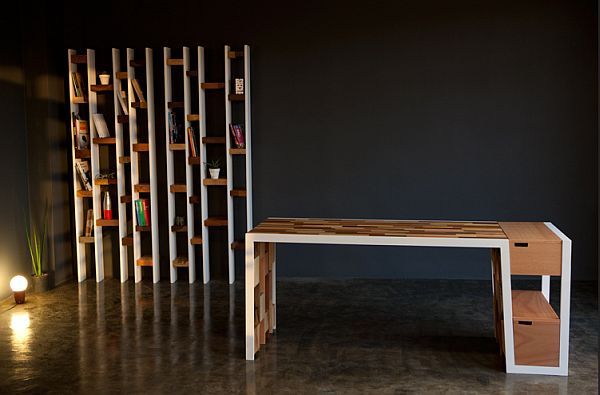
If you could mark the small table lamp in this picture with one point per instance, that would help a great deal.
(18, 284)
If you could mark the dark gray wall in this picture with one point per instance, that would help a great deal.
(430, 110)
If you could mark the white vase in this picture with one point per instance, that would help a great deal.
(214, 173)
(104, 79)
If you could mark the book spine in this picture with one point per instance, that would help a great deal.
(138, 212)
(191, 142)
(146, 208)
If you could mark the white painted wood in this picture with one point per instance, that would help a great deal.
(170, 167)
(95, 164)
(189, 169)
(250, 284)
(546, 287)
(122, 207)
(203, 189)
(133, 139)
(80, 214)
(509, 347)
(230, 215)
(152, 156)
(248, 127)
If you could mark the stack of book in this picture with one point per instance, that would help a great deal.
(192, 142)
(238, 135)
(142, 212)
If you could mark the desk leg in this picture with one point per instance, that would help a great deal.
(249, 279)
(509, 347)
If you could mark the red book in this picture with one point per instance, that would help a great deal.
(191, 142)
(146, 205)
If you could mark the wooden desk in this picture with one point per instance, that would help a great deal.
(531, 336)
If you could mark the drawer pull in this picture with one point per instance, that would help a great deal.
(521, 244)
(525, 322)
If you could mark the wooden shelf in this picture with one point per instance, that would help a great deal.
(215, 182)
(238, 245)
(80, 100)
(193, 117)
(125, 199)
(79, 59)
(137, 104)
(196, 240)
(144, 261)
(213, 140)
(212, 85)
(174, 104)
(179, 228)
(237, 151)
(143, 188)
(83, 154)
(121, 75)
(192, 73)
(178, 188)
(139, 228)
(215, 221)
(141, 147)
(107, 222)
(101, 88)
(194, 199)
(532, 306)
(104, 140)
(127, 240)
(177, 146)
(86, 239)
(235, 54)
(106, 181)
(88, 194)
(239, 192)
(194, 160)
(124, 159)
(180, 261)
(124, 119)
(233, 97)
(174, 62)
(137, 63)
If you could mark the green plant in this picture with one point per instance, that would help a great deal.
(213, 164)
(37, 243)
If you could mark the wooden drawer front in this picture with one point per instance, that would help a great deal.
(535, 258)
(537, 343)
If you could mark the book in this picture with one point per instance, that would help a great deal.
(89, 222)
(78, 88)
(138, 90)
(238, 135)
(82, 133)
(139, 212)
(146, 208)
(122, 100)
(192, 142)
(82, 169)
(101, 127)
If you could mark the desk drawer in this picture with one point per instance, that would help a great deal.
(535, 258)
(537, 343)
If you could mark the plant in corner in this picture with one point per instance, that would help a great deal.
(214, 167)
(36, 242)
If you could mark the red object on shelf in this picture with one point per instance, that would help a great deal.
(146, 205)
(107, 212)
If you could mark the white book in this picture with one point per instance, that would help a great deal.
(101, 127)
(122, 96)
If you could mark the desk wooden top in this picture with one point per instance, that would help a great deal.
(368, 227)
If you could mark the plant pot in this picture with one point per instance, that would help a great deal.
(40, 283)
(104, 79)
(214, 173)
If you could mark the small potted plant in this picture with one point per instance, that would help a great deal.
(214, 168)
(104, 78)
(36, 242)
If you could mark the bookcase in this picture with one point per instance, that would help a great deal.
(180, 142)
(143, 152)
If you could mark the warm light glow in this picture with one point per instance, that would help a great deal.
(18, 284)
(19, 321)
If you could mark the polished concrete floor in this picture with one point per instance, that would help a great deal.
(346, 336)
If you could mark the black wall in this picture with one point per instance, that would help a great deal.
(427, 110)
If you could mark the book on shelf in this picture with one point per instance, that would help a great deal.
(138, 90)
(175, 129)
(78, 89)
(192, 142)
(146, 209)
(122, 96)
(89, 222)
(142, 212)
(82, 133)
(82, 169)
(238, 135)
(101, 127)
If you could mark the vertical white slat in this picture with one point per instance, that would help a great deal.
(546, 287)
(248, 130)
(230, 217)
(189, 170)
(80, 214)
(170, 167)
(203, 189)
(95, 165)
(509, 347)
(122, 206)
(249, 289)
(135, 177)
(152, 156)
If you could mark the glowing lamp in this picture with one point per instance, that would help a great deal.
(18, 284)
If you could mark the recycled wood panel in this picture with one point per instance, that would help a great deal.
(104, 140)
(194, 199)
(121, 75)
(139, 104)
(532, 306)
(264, 308)
(537, 343)
(194, 160)
(179, 228)
(193, 117)
(234, 97)
(141, 188)
(174, 62)
(213, 140)
(86, 239)
(237, 151)
(125, 199)
(127, 241)
(79, 59)
(140, 228)
(83, 153)
(81, 193)
(175, 104)
(196, 240)
(192, 73)
(215, 181)
(178, 188)
(180, 261)
(124, 159)
(144, 261)
(357, 227)
(140, 147)
(101, 88)
(239, 192)
(123, 119)
(235, 54)
(212, 85)
(107, 222)
(215, 221)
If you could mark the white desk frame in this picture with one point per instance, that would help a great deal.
(502, 244)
